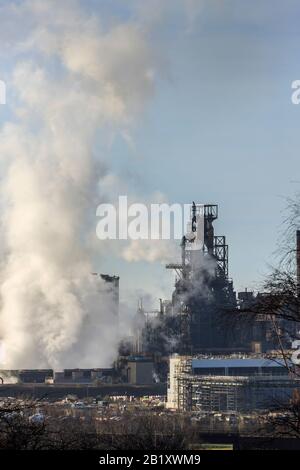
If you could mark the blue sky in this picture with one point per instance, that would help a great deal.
(220, 127)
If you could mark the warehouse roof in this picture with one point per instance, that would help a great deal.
(224, 363)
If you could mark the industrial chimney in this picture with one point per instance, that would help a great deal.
(298, 262)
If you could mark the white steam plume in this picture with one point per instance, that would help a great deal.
(71, 77)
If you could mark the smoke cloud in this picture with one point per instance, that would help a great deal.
(72, 79)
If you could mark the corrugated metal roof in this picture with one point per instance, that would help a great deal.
(222, 363)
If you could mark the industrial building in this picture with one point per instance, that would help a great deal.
(83, 376)
(200, 317)
(134, 370)
(228, 384)
(66, 376)
(202, 287)
(214, 365)
(26, 375)
(139, 371)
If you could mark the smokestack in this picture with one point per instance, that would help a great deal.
(183, 244)
(298, 262)
(161, 310)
